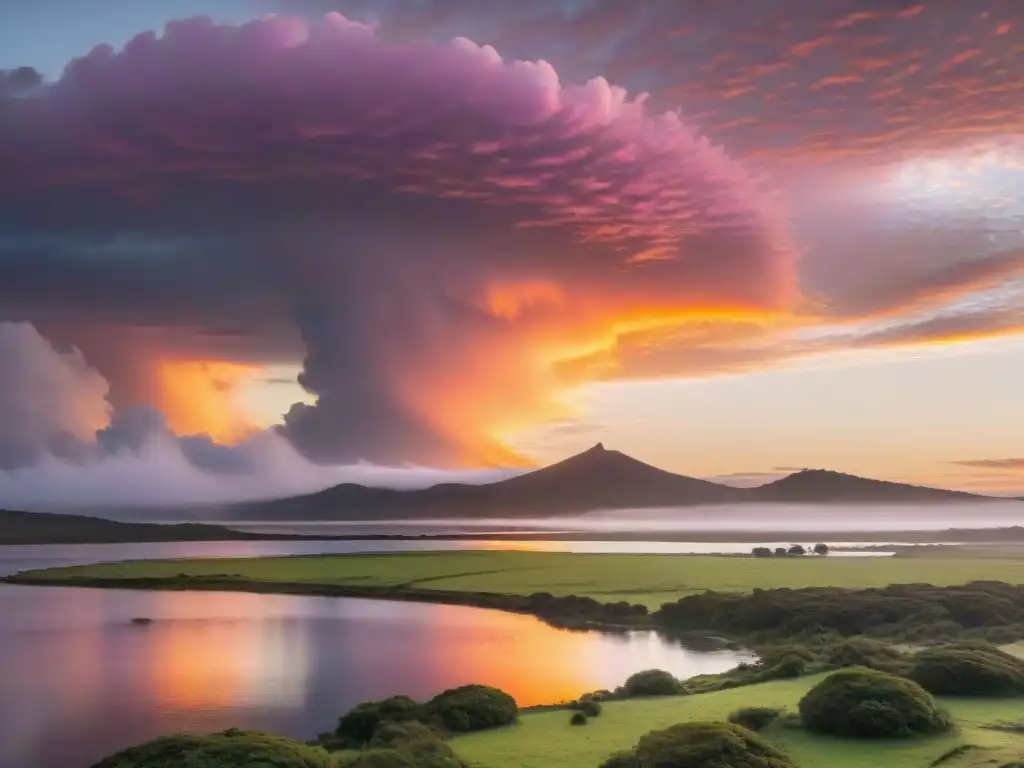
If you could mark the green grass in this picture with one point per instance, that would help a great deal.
(546, 740)
(648, 579)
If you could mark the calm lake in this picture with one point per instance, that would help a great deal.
(80, 681)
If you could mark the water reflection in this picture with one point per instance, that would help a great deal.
(79, 680)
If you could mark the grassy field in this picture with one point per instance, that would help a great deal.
(546, 740)
(648, 579)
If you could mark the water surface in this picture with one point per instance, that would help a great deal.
(80, 681)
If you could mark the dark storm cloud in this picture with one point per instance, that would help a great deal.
(18, 81)
(380, 198)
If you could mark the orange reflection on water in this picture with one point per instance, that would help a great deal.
(532, 661)
(222, 656)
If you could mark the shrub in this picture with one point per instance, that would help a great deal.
(652, 682)
(621, 760)
(902, 611)
(706, 744)
(796, 549)
(821, 548)
(588, 707)
(784, 668)
(967, 672)
(755, 718)
(578, 718)
(781, 551)
(381, 758)
(865, 703)
(779, 653)
(227, 749)
(473, 708)
(401, 734)
(419, 742)
(761, 552)
(865, 652)
(357, 726)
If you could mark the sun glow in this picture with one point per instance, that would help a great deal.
(198, 397)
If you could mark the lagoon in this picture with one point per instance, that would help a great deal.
(80, 680)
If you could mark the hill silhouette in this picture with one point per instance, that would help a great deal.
(45, 528)
(823, 486)
(596, 479)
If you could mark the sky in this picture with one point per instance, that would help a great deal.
(254, 247)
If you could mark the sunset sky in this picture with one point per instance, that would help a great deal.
(730, 239)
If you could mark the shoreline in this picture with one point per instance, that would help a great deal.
(871, 539)
(508, 603)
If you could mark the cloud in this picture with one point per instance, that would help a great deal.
(1010, 464)
(48, 398)
(18, 81)
(62, 445)
(692, 53)
(391, 203)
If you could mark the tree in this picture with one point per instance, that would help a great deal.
(781, 552)
(821, 548)
(796, 549)
(761, 552)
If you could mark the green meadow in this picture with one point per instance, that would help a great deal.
(648, 579)
(546, 740)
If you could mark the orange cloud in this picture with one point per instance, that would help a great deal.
(197, 397)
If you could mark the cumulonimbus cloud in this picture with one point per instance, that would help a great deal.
(63, 446)
(445, 228)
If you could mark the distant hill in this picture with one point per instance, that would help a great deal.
(595, 479)
(44, 528)
(822, 486)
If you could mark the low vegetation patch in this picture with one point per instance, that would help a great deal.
(473, 708)
(755, 718)
(357, 726)
(968, 671)
(652, 682)
(866, 703)
(904, 612)
(589, 707)
(400, 723)
(228, 749)
(702, 745)
(578, 718)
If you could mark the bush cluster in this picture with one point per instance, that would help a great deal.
(755, 718)
(865, 652)
(357, 726)
(905, 611)
(702, 745)
(473, 708)
(968, 671)
(405, 745)
(589, 707)
(227, 749)
(652, 682)
(575, 609)
(866, 703)
(457, 710)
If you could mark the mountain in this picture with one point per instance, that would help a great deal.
(822, 486)
(45, 528)
(595, 479)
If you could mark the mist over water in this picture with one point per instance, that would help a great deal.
(781, 518)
